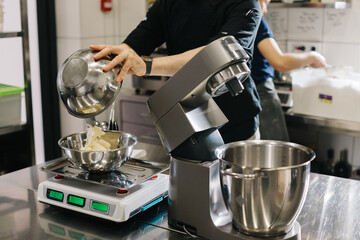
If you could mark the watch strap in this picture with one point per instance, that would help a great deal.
(148, 63)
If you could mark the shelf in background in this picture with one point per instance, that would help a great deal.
(11, 129)
(10, 34)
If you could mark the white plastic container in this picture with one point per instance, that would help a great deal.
(317, 94)
(10, 105)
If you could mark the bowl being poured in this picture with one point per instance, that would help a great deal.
(84, 88)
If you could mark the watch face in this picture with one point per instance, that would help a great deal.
(146, 58)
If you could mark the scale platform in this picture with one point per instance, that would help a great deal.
(116, 196)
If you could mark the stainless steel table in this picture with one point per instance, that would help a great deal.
(331, 211)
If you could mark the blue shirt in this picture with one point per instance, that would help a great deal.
(261, 68)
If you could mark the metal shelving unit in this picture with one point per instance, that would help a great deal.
(10, 34)
(27, 127)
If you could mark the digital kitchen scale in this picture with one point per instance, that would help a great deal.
(115, 196)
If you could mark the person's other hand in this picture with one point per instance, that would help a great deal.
(318, 60)
(130, 61)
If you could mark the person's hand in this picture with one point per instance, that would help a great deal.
(125, 56)
(318, 60)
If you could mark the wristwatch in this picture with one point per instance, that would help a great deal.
(148, 61)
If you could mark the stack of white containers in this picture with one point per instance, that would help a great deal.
(329, 94)
(1, 15)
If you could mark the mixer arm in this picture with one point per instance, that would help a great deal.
(183, 108)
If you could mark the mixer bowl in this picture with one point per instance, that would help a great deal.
(122, 145)
(84, 88)
(264, 184)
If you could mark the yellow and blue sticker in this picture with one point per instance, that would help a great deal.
(325, 98)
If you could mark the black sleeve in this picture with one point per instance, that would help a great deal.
(149, 34)
(242, 22)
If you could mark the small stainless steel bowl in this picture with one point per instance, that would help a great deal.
(83, 87)
(122, 145)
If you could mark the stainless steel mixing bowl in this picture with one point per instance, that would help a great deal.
(122, 145)
(264, 184)
(84, 88)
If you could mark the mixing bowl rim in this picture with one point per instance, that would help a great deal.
(272, 142)
(110, 150)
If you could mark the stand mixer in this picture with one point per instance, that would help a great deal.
(187, 120)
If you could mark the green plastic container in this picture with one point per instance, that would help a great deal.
(10, 105)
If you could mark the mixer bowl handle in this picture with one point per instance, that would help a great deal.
(243, 176)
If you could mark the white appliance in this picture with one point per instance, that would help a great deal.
(116, 196)
(103, 201)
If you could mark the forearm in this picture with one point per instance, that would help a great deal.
(133, 64)
(291, 61)
(283, 62)
(169, 65)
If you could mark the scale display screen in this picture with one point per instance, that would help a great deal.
(55, 195)
(75, 200)
(100, 206)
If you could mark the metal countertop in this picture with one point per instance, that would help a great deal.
(336, 126)
(331, 211)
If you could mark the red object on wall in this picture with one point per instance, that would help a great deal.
(106, 5)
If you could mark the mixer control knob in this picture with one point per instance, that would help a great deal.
(235, 87)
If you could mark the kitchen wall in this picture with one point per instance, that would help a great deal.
(80, 23)
(335, 34)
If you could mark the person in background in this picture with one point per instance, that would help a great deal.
(186, 27)
(267, 58)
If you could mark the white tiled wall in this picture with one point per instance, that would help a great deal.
(342, 54)
(305, 24)
(336, 30)
(342, 25)
(12, 70)
(277, 18)
(11, 16)
(131, 13)
(336, 35)
(80, 23)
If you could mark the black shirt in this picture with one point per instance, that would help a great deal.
(188, 24)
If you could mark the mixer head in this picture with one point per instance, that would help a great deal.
(183, 110)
